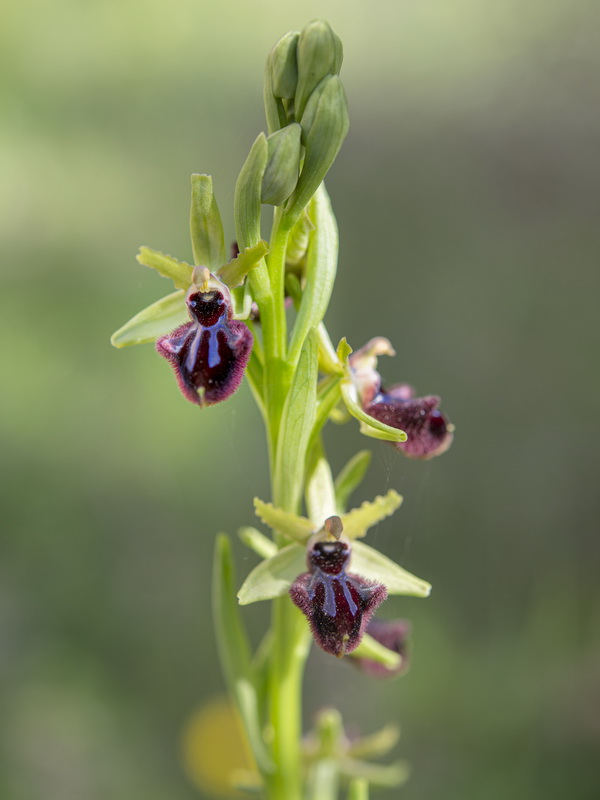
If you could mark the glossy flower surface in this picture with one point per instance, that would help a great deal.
(337, 604)
(209, 353)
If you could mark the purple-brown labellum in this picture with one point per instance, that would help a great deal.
(337, 605)
(208, 354)
(429, 433)
(394, 636)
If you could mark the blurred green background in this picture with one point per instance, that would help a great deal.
(467, 196)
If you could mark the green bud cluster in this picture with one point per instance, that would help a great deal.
(307, 114)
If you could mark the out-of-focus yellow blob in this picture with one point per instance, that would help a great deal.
(215, 752)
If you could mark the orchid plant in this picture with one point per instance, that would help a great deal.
(227, 319)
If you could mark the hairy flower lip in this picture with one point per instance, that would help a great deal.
(337, 604)
(209, 353)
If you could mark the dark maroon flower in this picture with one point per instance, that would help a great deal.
(429, 433)
(337, 605)
(394, 636)
(208, 354)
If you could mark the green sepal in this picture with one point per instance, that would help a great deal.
(167, 266)
(377, 744)
(373, 650)
(327, 133)
(371, 426)
(294, 527)
(206, 228)
(233, 273)
(257, 541)
(297, 421)
(284, 69)
(374, 566)
(283, 165)
(316, 56)
(319, 492)
(155, 320)
(350, 477)
(234, 650)
(358, 789)
(321, 266)
(246, 202)
(386, 776)
(359, 520)
(274, 576)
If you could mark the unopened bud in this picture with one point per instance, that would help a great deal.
(327, 124)
(284, 69)
(283, 165)
(317, 56)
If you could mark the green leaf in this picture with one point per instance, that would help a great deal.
(156, 320)
(235, 271)
(273, 577)
(208, 238)
(359, 520)
(370, 424)
(350, 477)
(374, 566)
(373, 650)
(257, 541)
(234, 650)
(321, 266)
(296, 528)
(297, 421)
(167, 266)
(358, 789)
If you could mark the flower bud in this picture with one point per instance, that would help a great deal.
(284, 69)
(324, 128)
(283, 165)
(317, 56)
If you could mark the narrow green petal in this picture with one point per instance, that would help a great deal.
(359, 520)
(374, 566)
(371, 424)
(156, 320)
(234, 272)
(296, 528)
(167, 266)
(234, 649)
(273, 577)
(350, 477)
